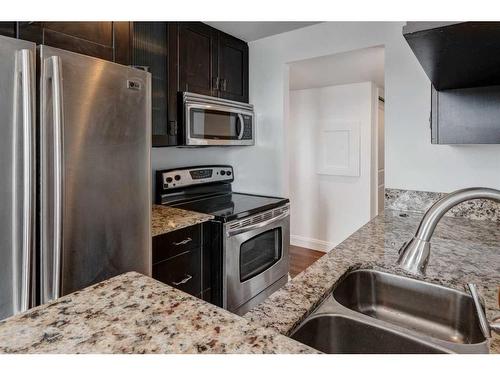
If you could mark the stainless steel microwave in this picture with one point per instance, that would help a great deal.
(209, 121)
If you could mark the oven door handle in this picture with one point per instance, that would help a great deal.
(234, 232)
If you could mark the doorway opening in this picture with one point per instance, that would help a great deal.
(335, 145)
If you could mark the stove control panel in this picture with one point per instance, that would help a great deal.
(185, 177)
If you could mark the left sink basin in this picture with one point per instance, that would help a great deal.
(336, 334)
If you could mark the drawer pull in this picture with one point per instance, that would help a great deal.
(183, 281)
(183, 242)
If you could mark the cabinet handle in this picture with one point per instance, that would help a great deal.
(172, 127)
(183, 281)
(224, 84)
(183, 242)
(216, 83)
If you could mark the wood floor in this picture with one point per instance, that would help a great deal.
(301, 258)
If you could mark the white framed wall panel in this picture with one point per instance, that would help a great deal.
(327, 208)
(338, 151)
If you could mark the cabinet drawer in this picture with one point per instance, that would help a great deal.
(174, 243)
(182, 272)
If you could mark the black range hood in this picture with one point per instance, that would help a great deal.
(462, 60)
(457, 54)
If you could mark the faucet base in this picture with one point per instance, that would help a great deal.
(414, 255)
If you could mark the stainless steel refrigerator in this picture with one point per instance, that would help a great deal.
(75, 182)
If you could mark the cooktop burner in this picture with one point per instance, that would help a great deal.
(232, 206)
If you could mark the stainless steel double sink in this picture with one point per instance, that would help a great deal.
(376, 312)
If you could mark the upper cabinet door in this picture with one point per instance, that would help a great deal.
(233, 68)
(150, 50)
(105, 40)
(88, 38)
(8, 29)
(197, 58)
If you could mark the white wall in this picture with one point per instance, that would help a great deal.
(326, 209)
(411, 161)
(361, 65)
(174, 157)
(256, 168)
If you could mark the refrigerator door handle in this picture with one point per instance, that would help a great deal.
(27, 105)
(52, 265)
(58, 139)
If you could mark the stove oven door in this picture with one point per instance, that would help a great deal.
(256, 255)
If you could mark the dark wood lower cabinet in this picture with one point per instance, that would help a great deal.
(212, 262)
(174, 243)
(185, 259)
(179, 261)
(182, 272)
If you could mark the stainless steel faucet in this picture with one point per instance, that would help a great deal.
(486, 327)
(414, 255)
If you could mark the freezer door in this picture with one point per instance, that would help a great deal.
(17, 188)
(95, 171)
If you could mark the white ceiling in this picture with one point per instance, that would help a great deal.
(343, 68)
(250, 31)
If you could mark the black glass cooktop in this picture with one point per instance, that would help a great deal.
(232, 206)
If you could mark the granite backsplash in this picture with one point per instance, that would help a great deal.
(420, 201)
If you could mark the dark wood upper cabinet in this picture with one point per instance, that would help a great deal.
(181, 56)
(93, 32)
(233, 68)
(122, 42)
(187, 56)
(206, 61)
(197, 46)
(210, 62)
(456, 55)
(8, 29)
(105, 40)
(150, 50)
(460, 60)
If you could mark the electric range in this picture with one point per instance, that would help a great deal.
(246, 244)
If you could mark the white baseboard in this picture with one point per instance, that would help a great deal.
(311, 243)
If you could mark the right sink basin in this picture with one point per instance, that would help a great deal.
(430, 309)
(371, 311)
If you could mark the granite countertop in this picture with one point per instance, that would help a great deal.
(463, 250)
(133, 313)
(166, 219)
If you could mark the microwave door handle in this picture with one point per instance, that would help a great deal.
(242, 126)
